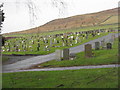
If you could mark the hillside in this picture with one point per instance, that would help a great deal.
(93, 19)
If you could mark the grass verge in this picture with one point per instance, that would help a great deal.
(100, 57)
(84, 78)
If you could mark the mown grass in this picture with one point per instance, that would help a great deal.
(84, 78)
(100, 57)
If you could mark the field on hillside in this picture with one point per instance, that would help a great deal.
(112, 19)
(106, 17)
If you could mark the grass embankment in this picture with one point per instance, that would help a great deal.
(85, 78)
(52, 49)
(100, 57)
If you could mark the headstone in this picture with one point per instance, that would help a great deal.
(66, 54)
(109, 46)
(88, 50)
(38, 48)
(86, 36)
(103, 45)
(97, 45)
(63, 44)
(58, 55)
(112, 38)
(50, 42)
(17, 48)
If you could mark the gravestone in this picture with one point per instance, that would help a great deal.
(112, 38)
(50, 42)
(17, 48)
(66, 54)
(109, 46)
(103, 45)
(88, 50)
(97, 45)
(63, 44)
(86, 36)
(58, 55)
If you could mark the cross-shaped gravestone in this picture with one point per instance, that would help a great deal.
(88, 50)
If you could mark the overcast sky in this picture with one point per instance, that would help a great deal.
(18, 17)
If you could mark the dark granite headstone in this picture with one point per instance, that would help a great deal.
(88, 50)
(97, 45)
(66, 54)
(109, 46)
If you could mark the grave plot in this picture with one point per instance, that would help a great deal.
(90, 56)
(36, 44)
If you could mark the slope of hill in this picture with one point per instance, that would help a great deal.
(92, 19)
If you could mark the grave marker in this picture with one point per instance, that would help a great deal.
(97, 45)
(66, 54)
(109, 46)
(58, 55)
(88, 50)
(103, 45)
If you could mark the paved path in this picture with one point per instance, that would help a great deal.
(67, 68)
(40, 59)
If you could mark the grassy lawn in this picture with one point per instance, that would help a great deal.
(52, 49)
(84, 78)
(100, 57)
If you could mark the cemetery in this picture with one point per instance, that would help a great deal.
(75, 52)
(102, 56)
(102, 53)
(40, 45)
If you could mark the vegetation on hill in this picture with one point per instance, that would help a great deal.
(79, 21)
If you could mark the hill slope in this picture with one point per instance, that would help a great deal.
(92, 19)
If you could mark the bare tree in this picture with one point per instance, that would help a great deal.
(2, 39)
